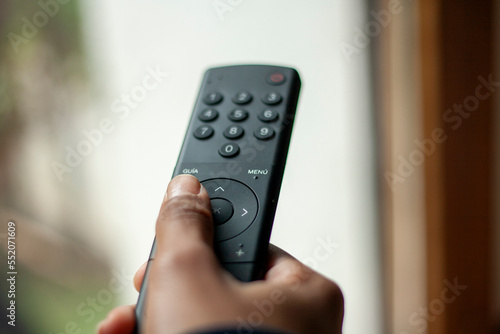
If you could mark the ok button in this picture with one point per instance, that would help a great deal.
(222, 210)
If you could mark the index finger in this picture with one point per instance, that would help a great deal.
(284, 268)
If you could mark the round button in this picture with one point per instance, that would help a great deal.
(242, 97)
(229, 150)
(242, 200)
(212, 98)
(204, 132)
(264, 133)
(238, 115)
(268, 115)
(208, 115)
(272, 98)
(276, 78)
(234, 132)
(222, 210)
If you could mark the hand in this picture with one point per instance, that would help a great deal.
(189, 291)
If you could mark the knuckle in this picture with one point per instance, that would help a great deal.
(297, 274)
(299, 271)
(329, 294)
(333, 292)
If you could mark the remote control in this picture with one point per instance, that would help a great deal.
(236, 145)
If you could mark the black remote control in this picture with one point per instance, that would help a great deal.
(236, 145)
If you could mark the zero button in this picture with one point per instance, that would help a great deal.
(229, 150)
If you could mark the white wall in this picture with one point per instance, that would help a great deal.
(328, 186)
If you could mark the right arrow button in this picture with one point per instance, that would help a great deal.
(244, 212)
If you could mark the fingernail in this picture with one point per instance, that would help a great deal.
(183, 185)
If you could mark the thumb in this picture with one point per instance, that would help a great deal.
(185, 216)
(184, 265)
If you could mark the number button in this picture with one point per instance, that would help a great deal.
(212, 98)
(229, 150)
(268, 115)
(208, 115)
(242, 97)
(264, 133)
(204, 132)
(272, 98)
(234, 132)
(238, 115)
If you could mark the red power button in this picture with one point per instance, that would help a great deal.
(276, 78)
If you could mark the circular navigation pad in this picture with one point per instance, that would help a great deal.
(241, 199)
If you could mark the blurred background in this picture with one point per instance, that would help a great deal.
(392, 174)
